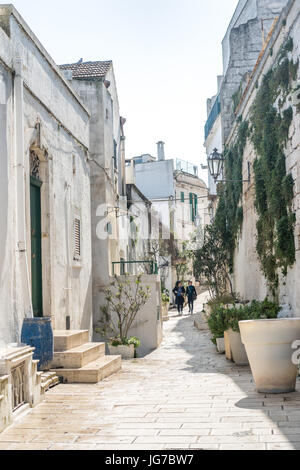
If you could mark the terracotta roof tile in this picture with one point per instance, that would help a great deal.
(88, 69)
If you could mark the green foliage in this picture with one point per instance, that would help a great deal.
(255, 311)
(211, 261)
(223, 318)
(124, 301)
(229, 215)
(274, 188)
(223, 299)
(165, 296)
(218, 322)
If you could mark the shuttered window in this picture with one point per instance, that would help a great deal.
(182, 197)
(77, 238)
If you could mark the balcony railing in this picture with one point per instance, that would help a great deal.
(142, 267)
(215, 111)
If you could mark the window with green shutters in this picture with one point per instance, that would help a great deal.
(193, 206)
(182, 197)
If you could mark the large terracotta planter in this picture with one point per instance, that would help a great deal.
(238, 351)
(269, 349)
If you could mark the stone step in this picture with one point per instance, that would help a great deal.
(78, 357)
(49, 380)
(93, 372)
(66, 340)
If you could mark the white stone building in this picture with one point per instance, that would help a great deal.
(45, 235)
(179, 202)
(95, 83)
(45, 209)
(250, 282)
(246, 34)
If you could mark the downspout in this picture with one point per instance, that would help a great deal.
(21, 188)
(68, 287)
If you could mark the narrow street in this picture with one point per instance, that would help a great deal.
(182, 396)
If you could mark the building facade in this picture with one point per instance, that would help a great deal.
(45, 250)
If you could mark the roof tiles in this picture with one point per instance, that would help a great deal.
(82, 70)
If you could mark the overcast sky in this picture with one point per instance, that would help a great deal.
(166, 53)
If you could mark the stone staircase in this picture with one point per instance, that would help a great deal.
(76, 360)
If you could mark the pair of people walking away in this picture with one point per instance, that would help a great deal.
(180, 294)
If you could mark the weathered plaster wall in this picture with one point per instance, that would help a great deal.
(8, 314)
(241, 48)
(106, 179)
(66, 189)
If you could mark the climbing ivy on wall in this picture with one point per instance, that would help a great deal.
(229, 215)
(268, 128)
(271, 117)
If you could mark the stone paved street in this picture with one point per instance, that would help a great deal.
(182, 396)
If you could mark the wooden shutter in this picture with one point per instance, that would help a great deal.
(192, 206)
(196, 206)
(77, 238)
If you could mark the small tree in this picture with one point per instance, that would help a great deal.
(124, 300)
(211, 261)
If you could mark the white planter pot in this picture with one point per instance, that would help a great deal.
(238, 351)
(165, 311)
(221, 345)
(269, 348)
(227, 346)
(127, 352)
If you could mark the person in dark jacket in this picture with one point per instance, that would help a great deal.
(192, 296)
(179, 293)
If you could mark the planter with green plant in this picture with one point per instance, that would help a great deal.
(124, 300)
(165, 298)
(224, 321)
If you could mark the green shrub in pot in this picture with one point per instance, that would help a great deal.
(223, 318)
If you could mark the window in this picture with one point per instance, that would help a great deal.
(193, 206)
(77, 239)
(182, 197)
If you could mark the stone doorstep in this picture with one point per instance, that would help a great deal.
(93, 372)
(78, 357)
(49, 380)
(66, 340)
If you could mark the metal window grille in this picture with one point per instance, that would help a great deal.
(77, 238)
(18, 386)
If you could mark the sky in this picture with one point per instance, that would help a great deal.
(166, 54)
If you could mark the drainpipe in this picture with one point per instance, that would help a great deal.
(21, 188)
(68, 287)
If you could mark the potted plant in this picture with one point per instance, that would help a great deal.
(124, 300)
(127, 348)
(217, 323)
(268, 343)
(253, 311)
(165, 297)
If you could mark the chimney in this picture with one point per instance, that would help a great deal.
(161, 151)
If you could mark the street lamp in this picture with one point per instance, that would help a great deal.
(216, 167)
(216, 164)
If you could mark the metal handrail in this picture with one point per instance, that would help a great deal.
(153, 265)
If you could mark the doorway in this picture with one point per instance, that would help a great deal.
(36, 246)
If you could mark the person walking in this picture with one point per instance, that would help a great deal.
(192, 296)
(179, 293)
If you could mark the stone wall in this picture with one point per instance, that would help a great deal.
(248, 279)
